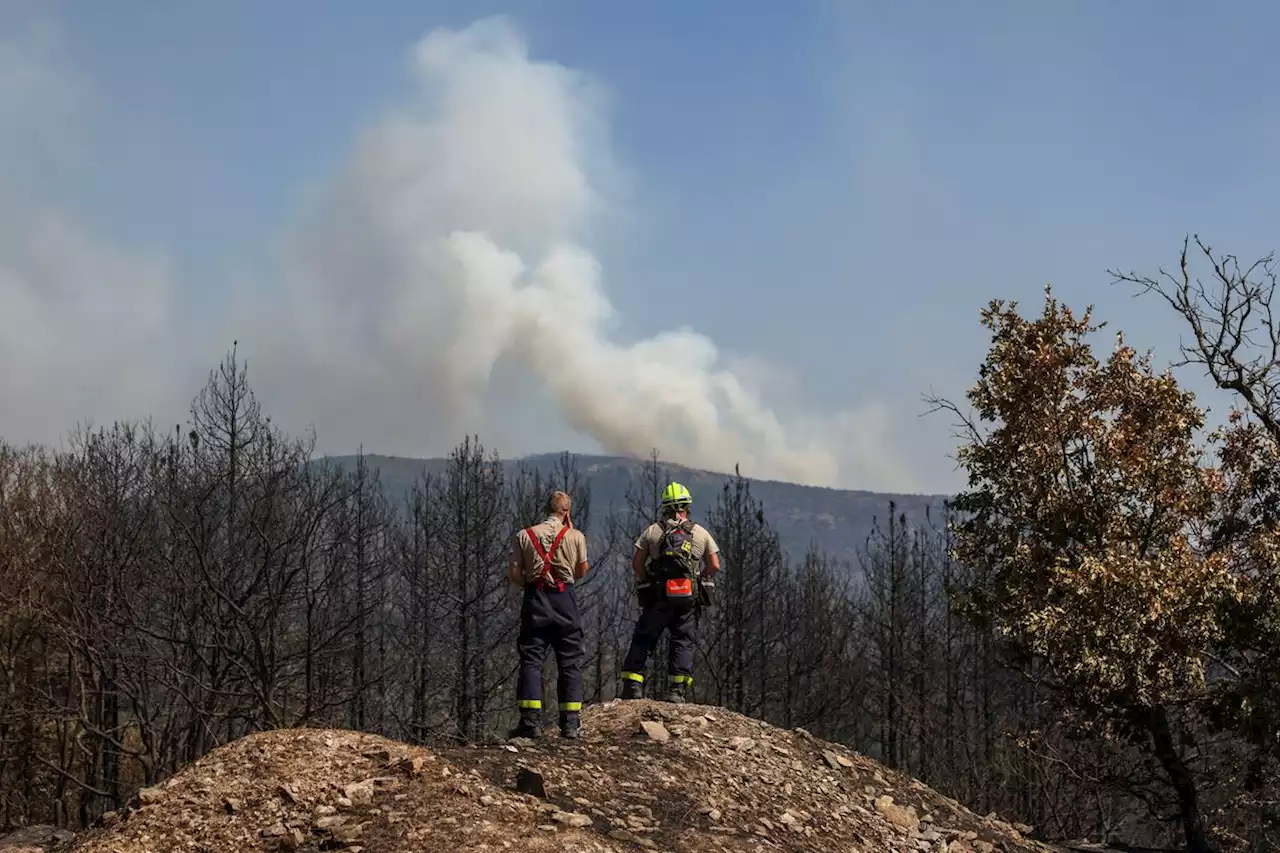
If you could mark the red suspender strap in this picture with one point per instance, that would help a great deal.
(545, 576)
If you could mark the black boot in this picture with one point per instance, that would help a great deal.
(529, 727)
(570, 726)
(675, 693)
(632, 690)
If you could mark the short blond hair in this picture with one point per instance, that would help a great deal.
(559, 502)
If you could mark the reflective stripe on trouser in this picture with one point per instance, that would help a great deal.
(549, 622)
(653, 620)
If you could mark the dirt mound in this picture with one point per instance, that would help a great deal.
(646, 776)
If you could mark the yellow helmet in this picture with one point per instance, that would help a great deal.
(676, 495)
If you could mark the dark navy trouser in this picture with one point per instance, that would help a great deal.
(549, 622)
(654, 619)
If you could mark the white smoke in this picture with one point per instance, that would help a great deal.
(441, 283)
(72, 352)
(455, 240)
(86, 326)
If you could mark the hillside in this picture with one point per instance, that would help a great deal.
(837, 520)
(647, 776)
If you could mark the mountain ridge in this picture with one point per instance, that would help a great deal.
(836, 521)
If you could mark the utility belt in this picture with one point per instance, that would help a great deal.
(687, 592)
(544, 585)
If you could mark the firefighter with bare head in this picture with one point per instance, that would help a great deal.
(547, 559)
(674, 562)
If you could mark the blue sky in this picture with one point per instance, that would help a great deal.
(833, 189)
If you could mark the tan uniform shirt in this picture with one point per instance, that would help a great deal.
(651, 538)
(571, 551)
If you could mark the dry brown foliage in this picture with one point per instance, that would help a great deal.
(1088, 516)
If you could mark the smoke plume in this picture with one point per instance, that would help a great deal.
(455, 243)
(443, 282)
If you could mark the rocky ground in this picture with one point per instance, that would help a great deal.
(646, 776)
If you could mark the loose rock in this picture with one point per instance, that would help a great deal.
(572, 819)
(531, 782)
(655, 730)
(894, 813)
(729, 784)
(150, 796)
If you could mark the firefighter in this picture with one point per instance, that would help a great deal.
(674, 563)
(546, 560)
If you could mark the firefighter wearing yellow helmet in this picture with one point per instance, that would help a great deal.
(674, 562)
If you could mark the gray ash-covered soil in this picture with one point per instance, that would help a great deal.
(646, 776)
